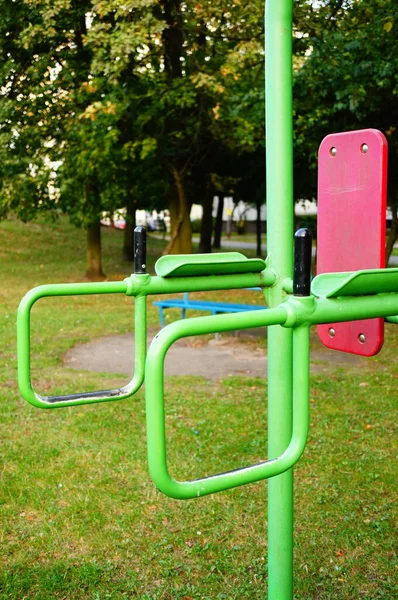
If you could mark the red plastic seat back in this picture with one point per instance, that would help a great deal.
(352, 186)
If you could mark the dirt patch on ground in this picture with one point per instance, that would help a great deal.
(210, 357)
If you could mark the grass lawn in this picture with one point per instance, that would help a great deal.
(80, 516)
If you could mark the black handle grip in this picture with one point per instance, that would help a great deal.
(302, 262)
(139, 250)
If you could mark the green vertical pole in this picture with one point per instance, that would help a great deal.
(279, 142)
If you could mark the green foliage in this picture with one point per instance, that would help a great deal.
(309, 222)
(195, 224)
(64, 134)
(95, 111)
(346, 78)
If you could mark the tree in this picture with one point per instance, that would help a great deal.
(347, 80)
(49, 139)
(197, 61)
(116, 103)
(67, 133)
(24, 172)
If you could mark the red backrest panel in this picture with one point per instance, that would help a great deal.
(352, 189)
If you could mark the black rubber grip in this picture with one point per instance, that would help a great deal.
(302, 262)
(139, 250)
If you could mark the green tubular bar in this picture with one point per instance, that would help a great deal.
(393, 319)
(354, 308)
(136, 285)
(23, 346)
(156, 434)
(279, 142)
(147, 285)
(311, 311)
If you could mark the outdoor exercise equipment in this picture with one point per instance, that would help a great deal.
(348, 293)
(175, 274)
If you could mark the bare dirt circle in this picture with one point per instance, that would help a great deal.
(209, 357)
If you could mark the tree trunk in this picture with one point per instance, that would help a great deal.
(206, 225)
(258, 227)
(393, 235)
(181, 231)
(128, 239)
(172, 38)
(218, 223)
(94, 264)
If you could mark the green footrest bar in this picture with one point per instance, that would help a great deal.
(188, 265)
(358, 283)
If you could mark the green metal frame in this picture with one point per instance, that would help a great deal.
(23, 345)
(139, 286)
(334, 298)
(279, 180)
(156, 434)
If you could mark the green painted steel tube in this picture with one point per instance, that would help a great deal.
(136, 285)
(145, 284)
(156, 433)
(23, 345)
(354, 308)
(311, 311)
(279, 134)
(279, 145)
(393, 319)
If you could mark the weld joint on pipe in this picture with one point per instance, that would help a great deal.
(269, 277)
(287, 285)
(135, 284)
(299, 311)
